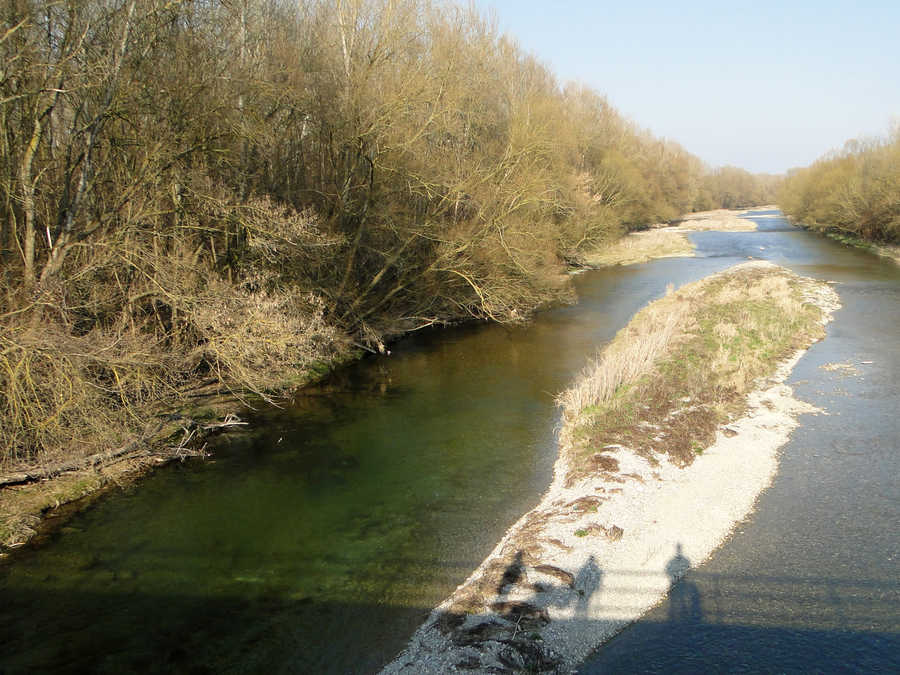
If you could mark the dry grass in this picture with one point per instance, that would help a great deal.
(640, 247)
(87, 365)
(684, 364)
(632, 354)
(63, 396)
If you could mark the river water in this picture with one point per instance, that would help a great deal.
(810, 582)
(320, 540)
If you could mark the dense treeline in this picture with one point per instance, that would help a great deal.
(238, 190)
(855, 191)
(729, 187)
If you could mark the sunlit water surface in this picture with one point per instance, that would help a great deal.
(321, 539)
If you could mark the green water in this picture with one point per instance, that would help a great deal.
(320, 540)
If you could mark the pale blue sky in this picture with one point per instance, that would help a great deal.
(763, 85)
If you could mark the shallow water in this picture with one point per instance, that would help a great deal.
(810, 582)
(319, 541)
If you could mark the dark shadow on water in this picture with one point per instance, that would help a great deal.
(711, 648)
(112, 633)
(754, 623)
(121, 630)
(829, 626)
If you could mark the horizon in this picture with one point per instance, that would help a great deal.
(766, 88)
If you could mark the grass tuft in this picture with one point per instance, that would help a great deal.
(684, 365)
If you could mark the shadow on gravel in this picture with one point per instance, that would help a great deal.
(708, 623)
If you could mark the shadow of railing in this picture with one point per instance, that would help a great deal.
(701, 622)
(712, 621)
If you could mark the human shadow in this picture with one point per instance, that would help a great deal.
(685, 605)
(575, 590)
(587, 582)
(512, 574)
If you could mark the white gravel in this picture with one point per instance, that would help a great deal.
(659, 508)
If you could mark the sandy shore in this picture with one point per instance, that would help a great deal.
(722, 220)
(593, 556)
(638, 247)
(667, 241)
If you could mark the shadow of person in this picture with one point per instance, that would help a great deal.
(512, 574)
(685, 604)
(587, 581)
(677, 566)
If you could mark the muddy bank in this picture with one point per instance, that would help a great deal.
(604, 546)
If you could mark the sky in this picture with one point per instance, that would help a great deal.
(765, 85)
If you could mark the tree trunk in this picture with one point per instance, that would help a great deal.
(26, 180)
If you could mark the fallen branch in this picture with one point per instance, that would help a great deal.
(231, 420)
(44, 473)
(107, 457)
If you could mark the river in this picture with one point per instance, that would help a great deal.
(810, 582)
(320, 540)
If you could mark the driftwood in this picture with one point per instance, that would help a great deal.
(101, 458)
(231, 420)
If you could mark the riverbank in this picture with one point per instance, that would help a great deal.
(100, 465)
(722, 220)
(667, 240)
(35, 497)
(604, 544)
(889, 251)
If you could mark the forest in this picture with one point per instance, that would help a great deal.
(854, 191)
(243, 192)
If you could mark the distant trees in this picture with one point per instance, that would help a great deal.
(855, 190)
(729, 187)
(236, 189)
